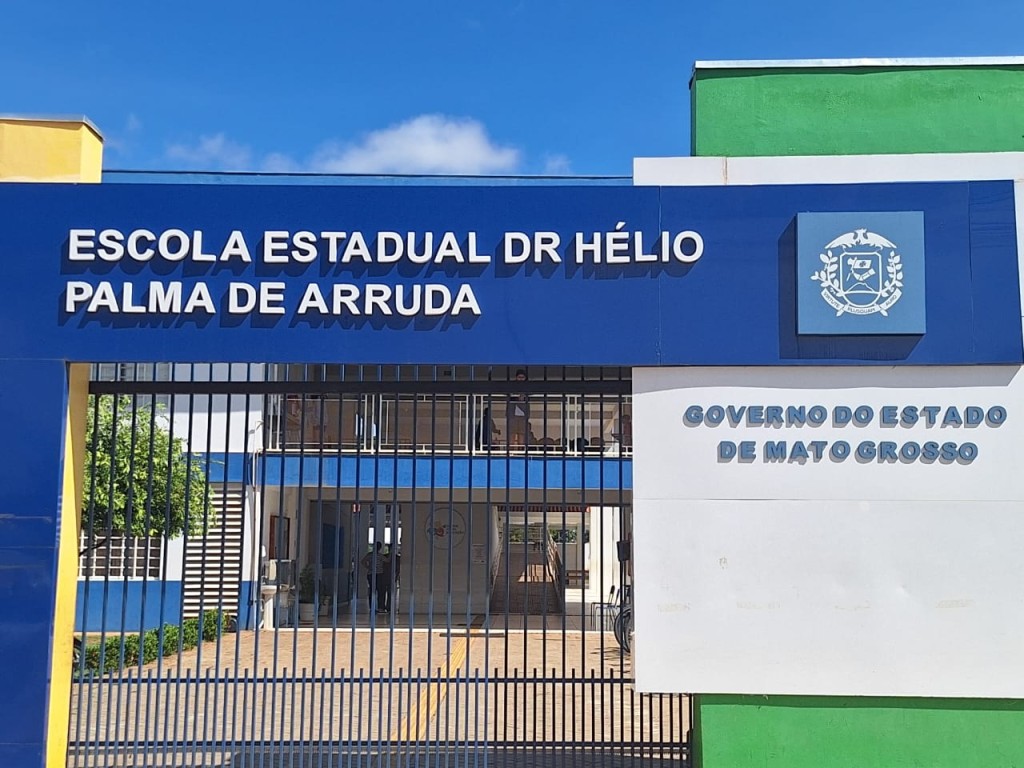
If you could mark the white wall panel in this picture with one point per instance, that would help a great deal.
(827, 578)
(1018, 204)
(676, 461)
(827, 169)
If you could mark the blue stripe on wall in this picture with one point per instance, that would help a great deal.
(226, 467)
(449, 472)
(129, 606)
(590, 473)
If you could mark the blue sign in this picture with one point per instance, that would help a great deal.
(861, 273)
(506, 275)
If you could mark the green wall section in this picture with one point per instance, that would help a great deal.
(851, 111)
(855, 111)
(814, 732)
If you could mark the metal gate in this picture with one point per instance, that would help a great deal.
(298, 565)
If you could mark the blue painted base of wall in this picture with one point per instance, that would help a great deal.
(134, 606)
(128, 606)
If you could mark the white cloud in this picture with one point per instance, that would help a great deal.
(212, 153)
(121, 143)
(556, 165)
(424, 144)
(278, 162)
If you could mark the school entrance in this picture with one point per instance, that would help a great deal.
(306, 565)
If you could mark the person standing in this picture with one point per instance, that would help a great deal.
(392, 569)
(518, 416)
(486, 430)
(374, 564)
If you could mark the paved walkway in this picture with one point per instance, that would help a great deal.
(412, 690)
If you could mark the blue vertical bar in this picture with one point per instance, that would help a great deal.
(33, 402)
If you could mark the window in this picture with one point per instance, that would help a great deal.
(279, 546)
(135, 372)
(120, 557)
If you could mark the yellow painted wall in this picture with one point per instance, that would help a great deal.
(61, 664)
(49, 150)
(59, 151)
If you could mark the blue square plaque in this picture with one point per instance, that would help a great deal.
(860, 273)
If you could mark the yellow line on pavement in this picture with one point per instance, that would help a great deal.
(415, 725)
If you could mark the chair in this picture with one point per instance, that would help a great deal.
(603, 614)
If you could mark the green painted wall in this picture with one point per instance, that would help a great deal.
(846, 111)
(850, 111)
(814, 732)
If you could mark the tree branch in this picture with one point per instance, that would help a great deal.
(96, 545)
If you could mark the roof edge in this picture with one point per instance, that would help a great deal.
(961, 61)
(55, 119)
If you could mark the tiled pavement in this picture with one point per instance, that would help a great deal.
(416, 695)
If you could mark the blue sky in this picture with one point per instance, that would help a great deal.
(544, 86)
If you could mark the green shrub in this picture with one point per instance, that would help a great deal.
(120, 651)
(216, 623)
(171, 635)
(107, 656)
(189, 634)
(111, 654)
(150, 646)
(91, 657)
(130, 650)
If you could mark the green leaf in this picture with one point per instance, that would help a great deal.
(140, 481)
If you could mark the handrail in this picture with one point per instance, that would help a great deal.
(558, 570)
(472, 424)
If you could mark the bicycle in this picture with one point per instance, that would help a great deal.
(623, 627)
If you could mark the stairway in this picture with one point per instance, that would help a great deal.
(525, 584)
(213, 564)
